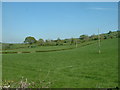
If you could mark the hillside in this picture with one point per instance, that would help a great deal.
(75, 68)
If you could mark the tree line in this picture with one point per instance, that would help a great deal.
(71, 41)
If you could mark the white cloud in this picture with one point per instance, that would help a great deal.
(99, 8)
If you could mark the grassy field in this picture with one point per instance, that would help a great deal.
(43, 48)
(76, 68)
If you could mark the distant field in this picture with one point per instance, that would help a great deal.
(40, 48)
(75, 68)
(43, 48)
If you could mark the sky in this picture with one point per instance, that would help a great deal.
(50, 20)
(60, 0)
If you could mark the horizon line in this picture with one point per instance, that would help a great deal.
(60, 38)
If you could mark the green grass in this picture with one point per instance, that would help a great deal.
(39, 48)
(76, 68)
(42, 48)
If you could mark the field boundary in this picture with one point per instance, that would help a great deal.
(37, 51)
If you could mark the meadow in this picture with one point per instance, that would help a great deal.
(81, 67)
(16, 47)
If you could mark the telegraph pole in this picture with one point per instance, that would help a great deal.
(76, 43)
(99, 51)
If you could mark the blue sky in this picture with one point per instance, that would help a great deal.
(50, 20)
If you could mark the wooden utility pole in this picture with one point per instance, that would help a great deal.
(76, 43)
(99, 51)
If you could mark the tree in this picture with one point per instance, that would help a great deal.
(30, 40)
(47, 42)
(41, 42)
(67, 41)
(58, 39)
(118, 34)
(59, 42)
(72, 41)
(94, 37)
(109, 32)
(84, 37)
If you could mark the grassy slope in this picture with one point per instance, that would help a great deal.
(80, 67)
(39, 48)
(44, 48)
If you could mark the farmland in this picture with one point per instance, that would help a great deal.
(79, 67)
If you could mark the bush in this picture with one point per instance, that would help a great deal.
(5, 46)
